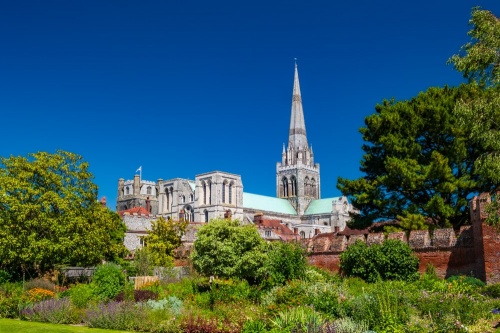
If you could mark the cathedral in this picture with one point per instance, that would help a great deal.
(298, 205)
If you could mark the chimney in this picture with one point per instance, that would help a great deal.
(148, 205)
(337, 229)
(257, 218)
(103, 201)
(317, 231)
(295, 231)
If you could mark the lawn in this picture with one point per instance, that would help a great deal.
(15, 325)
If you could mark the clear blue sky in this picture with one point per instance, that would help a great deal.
(187, 87)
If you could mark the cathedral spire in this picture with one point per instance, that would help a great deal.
(297, 135)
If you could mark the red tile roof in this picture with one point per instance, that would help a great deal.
(133, 210)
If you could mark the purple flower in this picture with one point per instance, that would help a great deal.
(495, 311)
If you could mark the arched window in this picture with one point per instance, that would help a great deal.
(307, 189)
(148, 190)
(183, 199)
(224, 184)
(189, 213)
(191, 198)
(314, 189)
(302, 234)
(127, 190)
(231, 193)
(209, 192)
(204, 186)
(293, 180)
(206, 215)
(285, 187)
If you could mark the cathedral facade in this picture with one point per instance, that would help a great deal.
(298, 204)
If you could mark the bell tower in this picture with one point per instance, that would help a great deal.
(297, 176)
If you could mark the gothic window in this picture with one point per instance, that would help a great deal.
(293, 181)
(285, 187)
(183, 199)
(209, 192)
(191, 198)
(230, 193)
(206, 215)
(171, 198)
(314, 190)
(268, 233)
(127, 190)
(224, 184)
(307, 190)
(189, 213)
(204, 193)
(148, 190)
(302, 234)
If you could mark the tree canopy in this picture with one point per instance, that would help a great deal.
(50, 215)
(163, 238)
(227, 249)
(417, 161)
(479, 61)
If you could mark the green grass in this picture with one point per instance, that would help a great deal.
(15, 325)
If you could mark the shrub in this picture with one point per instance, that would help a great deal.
(56, 311)
(328, 298)
(81, 294)
(393, 260)
(4, 276)
(290, 295)
(12, 299)
(492, 290)
(467, 280)
(285, 261)
(108, 281)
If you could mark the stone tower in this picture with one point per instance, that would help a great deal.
(297, 176)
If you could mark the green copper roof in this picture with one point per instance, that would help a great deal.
(321, 206)
(268, 204)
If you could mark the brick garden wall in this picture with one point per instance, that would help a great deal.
(473, 250)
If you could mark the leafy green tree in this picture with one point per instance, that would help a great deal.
(50, 215)
(479, 61)
(417, 161)
(393, 260)
(163, 238)
(285, 261)
(227, 249)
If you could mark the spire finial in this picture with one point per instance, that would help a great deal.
(295, 59)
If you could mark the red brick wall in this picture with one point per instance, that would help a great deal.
(491, 248)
